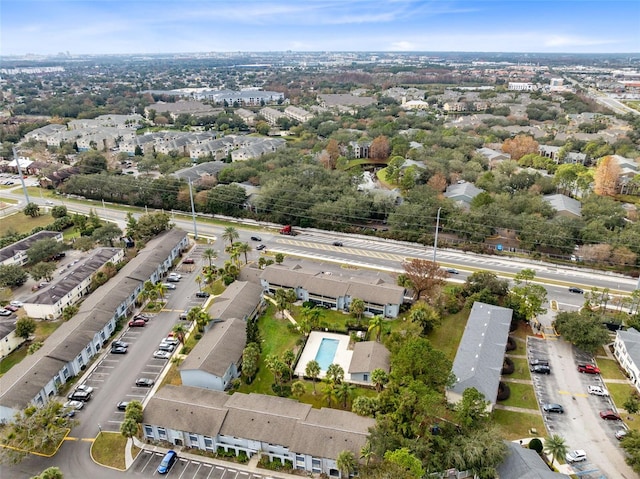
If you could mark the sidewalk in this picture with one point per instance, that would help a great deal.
(250, 467)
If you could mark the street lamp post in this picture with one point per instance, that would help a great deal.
(435, 239)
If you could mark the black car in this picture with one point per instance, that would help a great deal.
(122, 405)
(551, 407)
(337, 243)
(573, 289)
(256, 238)
(202, 294)
(541, 369)
(144, 382)
(79, 396)
(260, 247)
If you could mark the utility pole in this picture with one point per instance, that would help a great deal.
(435, 239)
(24, 187)
(193, 213)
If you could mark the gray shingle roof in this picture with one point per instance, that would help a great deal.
(219, 347)
(272, 419)
(480, 355)
(525, 463)
(562, 203)
(24, 244)
(239, 300)
(631, 340)
(369, 355)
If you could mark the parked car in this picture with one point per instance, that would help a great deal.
(172, 340)
(137, 323)
(79, 396)
(11, 308)
(144, 317)
(17, 304)
(118, 350)
(541, 369)
(621, 433)
(202, 294)
(175, 275)
(168, 286)
(588, 369)
(337, 243)
(166, 347)
(73, 404)
(85, 388)
(598, 391)
(161, 355)
(256, 238)
(610, 415)
(260, 247)
(122, 405)
(119, 344)
(168, 461)
(5, 312)
(145, 382)
(173, 279)
(540, 362)
(576, 456)
(189, 261)
(573, 289)
(184, 314)
(551, 407)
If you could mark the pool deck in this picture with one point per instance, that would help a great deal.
(342, 356)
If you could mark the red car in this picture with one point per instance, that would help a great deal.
(137, 323)
(588, 368)
(189, 261)
(610, 415)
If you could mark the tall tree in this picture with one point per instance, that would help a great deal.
(425, 315)
(210, 254)
(556, 446)
(25, 327)
(32, 209)
(379, 378)
(606, 177)
(346, 463)
(380, 148)
(230, 234)
(357, 307)
(244, 248)
(519, 146)
(312, 370)
(375, 326)
(50, 473)
(424, 275)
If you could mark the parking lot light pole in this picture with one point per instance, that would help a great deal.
(435, 239)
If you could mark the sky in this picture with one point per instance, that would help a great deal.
(182, 26)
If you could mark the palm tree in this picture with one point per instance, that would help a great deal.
(210, 254)
(379, 378)
(230, 234)
(161, 289)
(346, 462)
(555, 446)
(357, 307)
(335, 373)
(210, 275)
(243, 248)
(180, 331)
(199, 281)
(329, 392)
(375, 324)
(312, 370)
(288, 357)
(366, 453)
(298, 389)
(281, 299)
(344, 392)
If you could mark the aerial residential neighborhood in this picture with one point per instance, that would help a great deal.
(311, 242)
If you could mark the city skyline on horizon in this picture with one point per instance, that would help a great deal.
(173, 26)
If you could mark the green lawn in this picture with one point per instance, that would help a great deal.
(516, 425)
(108, 450)
(609, 369)
(12, 359)
(446, 337)
(277, 337)
(522, 395)
(521, 370)
(21, 223)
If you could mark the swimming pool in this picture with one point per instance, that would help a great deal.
(326, 352)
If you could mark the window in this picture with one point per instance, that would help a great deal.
(365, 377)
(65, 372)
(315, 465)
(162, 433)
(193, 439)
(208, 443)
(148, 431)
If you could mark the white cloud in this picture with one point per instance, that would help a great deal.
(573, 41)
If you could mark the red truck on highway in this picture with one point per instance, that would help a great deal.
(288, 230)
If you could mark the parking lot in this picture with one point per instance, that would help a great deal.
(146, 464)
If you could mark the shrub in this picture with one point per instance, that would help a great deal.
(511, 344)
(503, 392)
(507, 366)
(536, 445)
